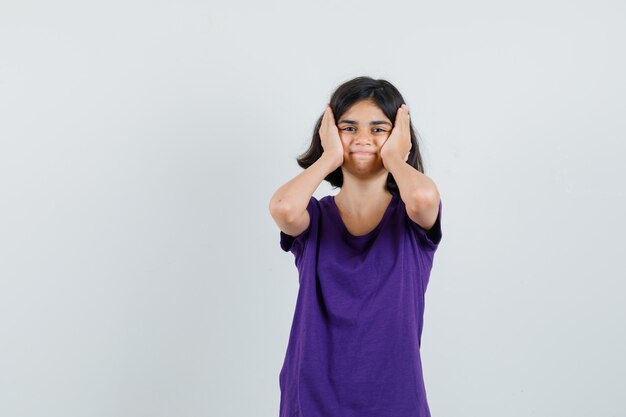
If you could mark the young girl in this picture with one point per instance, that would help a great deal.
(364, 259)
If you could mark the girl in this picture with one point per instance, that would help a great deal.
(364, 258)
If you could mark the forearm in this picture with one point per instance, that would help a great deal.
(292, 198)
(413, 185)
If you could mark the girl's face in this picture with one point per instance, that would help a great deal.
(363, 129)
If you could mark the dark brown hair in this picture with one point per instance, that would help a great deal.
(387, 97)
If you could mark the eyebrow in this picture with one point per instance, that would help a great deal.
(375, 122)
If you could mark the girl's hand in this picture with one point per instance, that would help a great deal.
(331, 141)
(398, 144)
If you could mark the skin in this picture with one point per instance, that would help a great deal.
(362, 199)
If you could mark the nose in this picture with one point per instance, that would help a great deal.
(363, 137)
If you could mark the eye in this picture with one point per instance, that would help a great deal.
(376, 129)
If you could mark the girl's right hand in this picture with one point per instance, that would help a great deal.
(329, 135)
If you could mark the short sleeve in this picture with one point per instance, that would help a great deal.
(432, 237)
(296, 244)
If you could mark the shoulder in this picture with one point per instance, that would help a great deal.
(425, 212)
(302, 228)
(424, 219)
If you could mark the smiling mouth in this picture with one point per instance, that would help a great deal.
(363, 153)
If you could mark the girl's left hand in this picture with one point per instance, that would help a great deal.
(398, 144)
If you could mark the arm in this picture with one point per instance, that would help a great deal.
(288, 204)
(419, 193)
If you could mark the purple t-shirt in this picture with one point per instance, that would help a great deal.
(354, 343)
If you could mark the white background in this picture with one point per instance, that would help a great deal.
(140, 143)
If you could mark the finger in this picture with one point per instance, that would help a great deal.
(408, 120)
(405, 117)
(330, 113)
(325, 122)
(399, 118)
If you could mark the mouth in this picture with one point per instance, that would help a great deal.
(362, 153)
